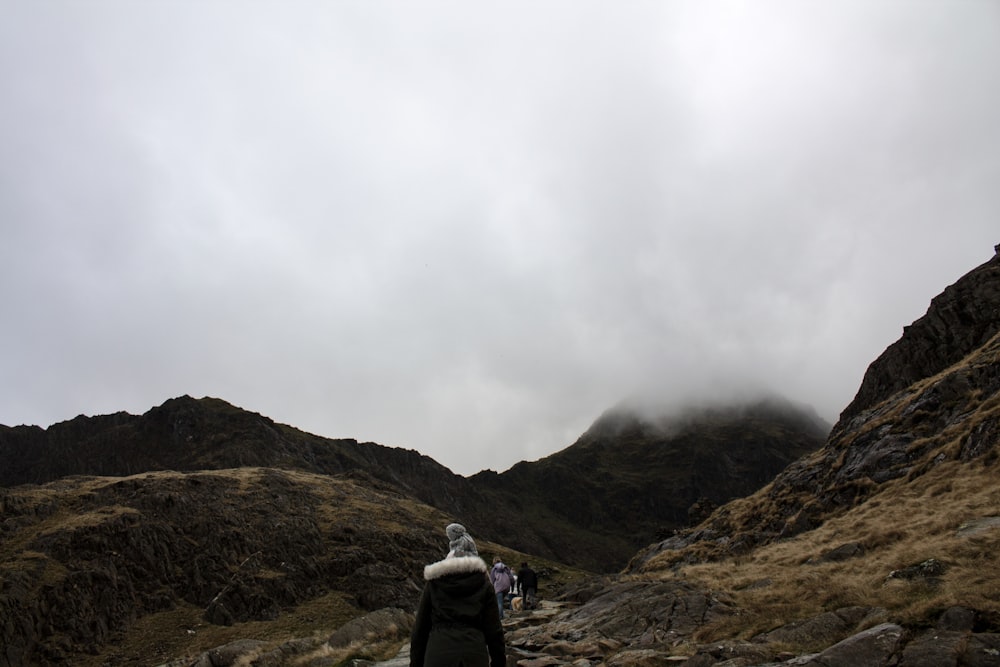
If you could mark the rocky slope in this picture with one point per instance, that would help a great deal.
(877, 549)
(84, 559)
(946, 412)
(136, 570)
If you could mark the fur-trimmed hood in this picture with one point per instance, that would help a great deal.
(456, 565)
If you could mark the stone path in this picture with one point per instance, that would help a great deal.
(402, 659)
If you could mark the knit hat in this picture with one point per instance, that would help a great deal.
(460, 542)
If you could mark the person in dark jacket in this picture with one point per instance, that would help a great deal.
(527, 585)
(457, 622)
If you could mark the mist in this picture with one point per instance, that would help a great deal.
(470, 231)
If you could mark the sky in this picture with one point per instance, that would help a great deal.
(469, 229)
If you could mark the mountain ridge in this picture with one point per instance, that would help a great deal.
(187, 434)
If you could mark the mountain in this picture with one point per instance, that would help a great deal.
(635, 474)
(632, 477)
(880, 547)
(196, 521)
(892, 434)
(877, 548)
(187, 434)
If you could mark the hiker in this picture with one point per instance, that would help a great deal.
(503, 581)
(457, 621)
(527, 585)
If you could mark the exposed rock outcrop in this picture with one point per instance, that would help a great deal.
(959, 320)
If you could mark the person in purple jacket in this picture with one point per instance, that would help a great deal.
(503, 580)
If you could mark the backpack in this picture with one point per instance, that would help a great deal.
(502, 579)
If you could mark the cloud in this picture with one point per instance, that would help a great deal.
(470, 232)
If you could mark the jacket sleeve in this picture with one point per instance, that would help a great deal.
(492, 629)
(421, 629)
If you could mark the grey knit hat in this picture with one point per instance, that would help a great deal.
(460, 542)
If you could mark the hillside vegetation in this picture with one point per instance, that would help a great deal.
(939, 505)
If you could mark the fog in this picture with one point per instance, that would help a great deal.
(469, 230)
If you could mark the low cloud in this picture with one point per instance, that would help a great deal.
(470, 233)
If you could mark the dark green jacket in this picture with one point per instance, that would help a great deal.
(458, 621)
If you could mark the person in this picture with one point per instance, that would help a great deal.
(457, 621)
(502, 579)
(527, 585)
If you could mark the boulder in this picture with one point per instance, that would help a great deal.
(821, 630)
(874, 647)
(381, 625)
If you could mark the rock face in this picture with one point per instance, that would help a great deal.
(960, 320)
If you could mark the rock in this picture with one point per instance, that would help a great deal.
(978, 526)
(959, 320)
(627, 616)
(821, 630)
(928, 570)
(544, 661)
(644, 658)
(871, 648)
(843, 552)
(933, 649)
(959, 619)
(381, 625)
(242, 650)
(732, 654)
(982, 650)
(645, 612)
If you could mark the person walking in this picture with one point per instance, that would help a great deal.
(502, 579)
(527, 585)
(457, 621)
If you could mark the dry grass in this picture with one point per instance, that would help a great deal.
(900, 523)
(907, 523)
(182, 631)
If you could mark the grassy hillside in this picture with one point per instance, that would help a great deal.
(904, 515)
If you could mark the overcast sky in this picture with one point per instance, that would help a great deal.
(468, 228)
